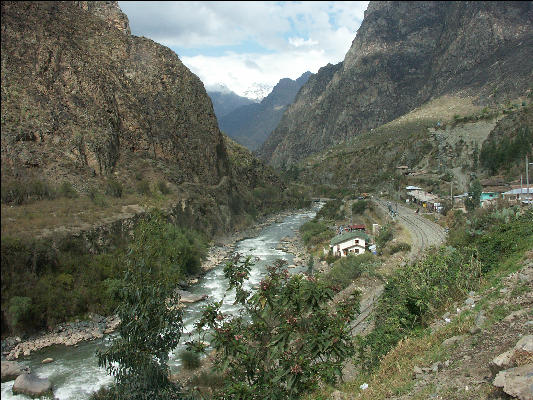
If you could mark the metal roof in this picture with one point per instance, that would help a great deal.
(413, 188)
(348, 236)
(519, 191)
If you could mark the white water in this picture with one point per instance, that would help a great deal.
(75, 373)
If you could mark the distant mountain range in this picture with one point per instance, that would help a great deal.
(250, 123)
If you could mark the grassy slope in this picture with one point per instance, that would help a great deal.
(500, 292)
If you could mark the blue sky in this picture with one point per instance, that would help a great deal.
(247, 45)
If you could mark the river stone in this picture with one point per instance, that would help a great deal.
(31, 385)
(187, 297)
(516, 382)
(12, 369)
(47, 360)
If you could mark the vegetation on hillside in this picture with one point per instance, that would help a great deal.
(286, 339)
(43, 285)
(416, 293)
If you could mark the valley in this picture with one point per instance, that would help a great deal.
(363, 231)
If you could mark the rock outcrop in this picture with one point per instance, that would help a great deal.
(405, 54)
(31, 385)
(11, 370)
(83, 97)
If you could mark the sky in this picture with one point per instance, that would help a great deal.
(247, 47)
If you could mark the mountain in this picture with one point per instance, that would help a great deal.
(86, 104)
(404, 55)
(251, 124)
(225, 101)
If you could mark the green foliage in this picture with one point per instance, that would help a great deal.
(359, 207)
(475, 190)
(346, 269)
(190, 360)
(414, 294)
(420, 290)
(143, 187)
(163, 188)
(285, 340)
(67, 190)
(113, 188)
(400, 247)
(19, 312)
(315, 232)
(151, 321)
(502, 154)
(384, 236)
(331, 211)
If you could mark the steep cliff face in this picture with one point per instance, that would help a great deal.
(82, 97)
(251, 124)
(404, 54)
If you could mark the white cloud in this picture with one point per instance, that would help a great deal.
(297, 36)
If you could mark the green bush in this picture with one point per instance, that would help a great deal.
(400, 247)
(315, 232)
(346, 269)
(20, 313)
(190, 360)
(67, 190)
(114, 188)
(163, 188)
(331, 211)
(384, 236)
(96, 197)
(359, 207)
(143, 187)
(289, 339)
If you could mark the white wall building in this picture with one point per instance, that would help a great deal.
(349, 243)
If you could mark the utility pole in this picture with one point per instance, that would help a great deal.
(451, 193)
(527, 180)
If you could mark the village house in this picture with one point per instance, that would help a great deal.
(348, 243)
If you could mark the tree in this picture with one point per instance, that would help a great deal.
(474, 192)
(151, 322)
(286, 339)
(359, 207)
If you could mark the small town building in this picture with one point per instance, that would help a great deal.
(349, 243)
(520, 194)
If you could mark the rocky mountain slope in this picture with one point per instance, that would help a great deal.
(404, 55)
(251, 124)
(85, 102)
(225, 101)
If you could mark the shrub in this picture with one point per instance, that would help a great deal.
(163, 188)
(400, 247)
(67, 190)
(20, 310)
(384, 236)
(190, 359)
(96, 197)
(331, 211)
(315, 232)
(114, 188)
(286, 341)
(359, 207)
(346, 269)
(143, 188)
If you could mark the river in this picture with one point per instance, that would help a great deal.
(75, 373)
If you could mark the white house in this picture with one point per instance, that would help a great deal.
(349, 242)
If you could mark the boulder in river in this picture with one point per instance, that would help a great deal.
(31, 385)
(12, 369)
(47, 360)
(187, 297)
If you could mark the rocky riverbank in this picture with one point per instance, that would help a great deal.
(72, 333)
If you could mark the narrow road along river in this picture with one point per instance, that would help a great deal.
(75, 373)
